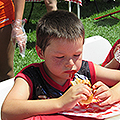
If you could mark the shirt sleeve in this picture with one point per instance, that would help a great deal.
(28, 80)
(92, 72)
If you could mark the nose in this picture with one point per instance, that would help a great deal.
(70, 63)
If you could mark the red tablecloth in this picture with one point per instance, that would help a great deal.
(59, 117)
(91, 111)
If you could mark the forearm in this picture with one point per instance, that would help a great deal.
(107, 76)
(113, 64)
(19, 8)
(20, 109)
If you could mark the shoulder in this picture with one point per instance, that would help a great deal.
(31, 66)
(30, 73)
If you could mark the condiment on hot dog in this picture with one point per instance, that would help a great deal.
(87, 82)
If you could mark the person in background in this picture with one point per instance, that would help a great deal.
(112, 60)
(50, 5)
(10, 29)
(44, 89)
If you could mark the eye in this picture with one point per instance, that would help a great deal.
(77, 55)
(60, 57)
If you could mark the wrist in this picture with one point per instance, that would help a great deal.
(17, 22)
(60, 104)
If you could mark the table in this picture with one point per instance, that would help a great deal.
(61, 117)
(110, 14)
(91, 111)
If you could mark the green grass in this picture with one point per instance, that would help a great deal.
(107, 27)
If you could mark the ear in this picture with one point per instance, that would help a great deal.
(39, 52)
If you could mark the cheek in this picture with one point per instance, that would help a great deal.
(54, 64)
(79, 62)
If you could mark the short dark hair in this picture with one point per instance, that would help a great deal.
(58, 24)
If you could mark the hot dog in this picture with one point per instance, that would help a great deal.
(87, 82)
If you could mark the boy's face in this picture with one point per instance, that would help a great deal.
(63, 58)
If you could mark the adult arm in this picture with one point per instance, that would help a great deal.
(113, 64)
(17, 31)
(19, 9)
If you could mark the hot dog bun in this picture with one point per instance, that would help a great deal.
(87, 82)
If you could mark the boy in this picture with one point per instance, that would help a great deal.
(44, 88)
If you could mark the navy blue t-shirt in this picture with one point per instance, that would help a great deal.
(41, 84)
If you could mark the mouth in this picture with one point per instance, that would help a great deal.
(71, 73)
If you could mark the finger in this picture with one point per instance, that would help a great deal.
(83, 97)
(24, 45)
(20, 47)
(100, 90)
(79, 89)
(97, 84)
(106, 102)
(104, 95)
(84, 89)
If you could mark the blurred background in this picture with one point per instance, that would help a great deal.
(107, 27)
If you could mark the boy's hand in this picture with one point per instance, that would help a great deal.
(74, 95)
(104, 93)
